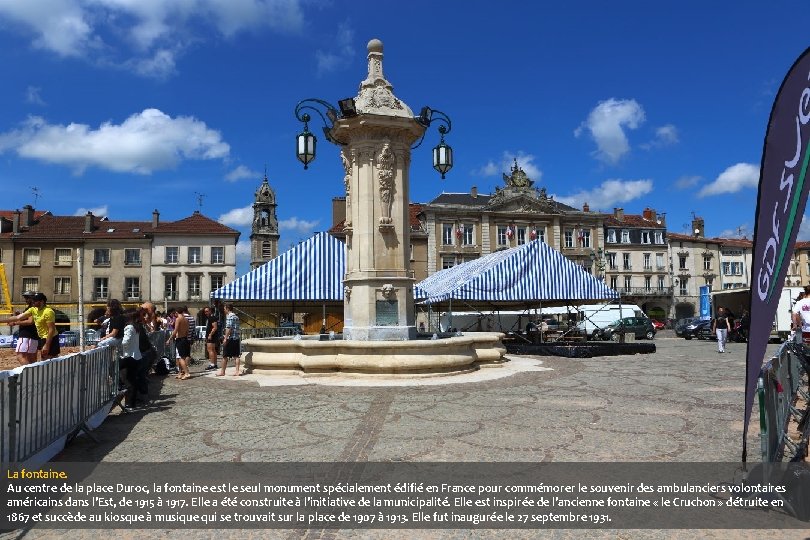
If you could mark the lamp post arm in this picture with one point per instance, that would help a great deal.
(309, 104)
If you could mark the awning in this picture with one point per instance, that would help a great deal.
(531, 273)
(310, 271)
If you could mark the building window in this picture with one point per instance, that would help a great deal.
(447, 234)
(611, 260)
(194, 255)
(611, 236)
(217, 281)
(647, 262)
(661, 283)
(540, 234)
(681, 262)
(132, 257)
(585, 238)
(521, 236)
(645, 237)
(502, 238)
(648, 283)
(707, 263)
(627, 281)
(682, 290)
(613, 282)
(101, 257)
(194, 286)
(469, 234)
(101, 288)
(625, 236)
(172, 255)
(448, 261)
(132, 288)
(63, 257)
(659, 261)
(737, 268)
(30, 284)
(170, 287)
(267, 250)
(410, 252)
(568, 238)
(626, 261)
(61, 285)
(217, 255)
(31, 257)
(659, 237)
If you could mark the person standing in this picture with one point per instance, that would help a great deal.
(721, 326)
(230, 340)
(131, 359)
(801, 314)
(211, 338)
(182, 344)
(27, 337)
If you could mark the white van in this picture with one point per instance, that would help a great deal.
(595, 317)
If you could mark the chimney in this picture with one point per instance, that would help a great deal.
(586, 208)
(88, 222)
(155, 218)
(697, 227)
(28, 215)
(15, 222)
(618, 213)
(338, 210)
(474, 192)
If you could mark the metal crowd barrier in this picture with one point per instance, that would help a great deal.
(44, 405)
(782, 380)
(48, 402)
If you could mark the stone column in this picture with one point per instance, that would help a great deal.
(376, 154)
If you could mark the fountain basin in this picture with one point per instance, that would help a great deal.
(311, 357)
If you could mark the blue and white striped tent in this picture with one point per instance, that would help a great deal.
(311, 271)
(531, 273)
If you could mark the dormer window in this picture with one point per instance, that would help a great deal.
(625, 236)
(611, 236)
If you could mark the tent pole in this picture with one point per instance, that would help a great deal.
(541, 320)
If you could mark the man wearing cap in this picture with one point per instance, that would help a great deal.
(27, 338)
(45, 321)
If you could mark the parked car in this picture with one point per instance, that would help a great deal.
(641, 327)
(657, 324)
(698, 328)
(682, 324)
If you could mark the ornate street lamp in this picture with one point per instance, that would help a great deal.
(305, 142)
(442, 152)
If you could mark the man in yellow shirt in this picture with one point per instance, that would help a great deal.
(45, 321)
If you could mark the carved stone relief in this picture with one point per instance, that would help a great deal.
(386, 161)
(347, 181)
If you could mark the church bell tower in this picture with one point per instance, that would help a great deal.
(264, 232)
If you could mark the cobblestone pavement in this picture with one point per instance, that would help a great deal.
(683, 403)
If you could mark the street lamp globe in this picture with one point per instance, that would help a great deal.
(442, 155)
(305, 144)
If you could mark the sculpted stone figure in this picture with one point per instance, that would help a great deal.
(385, 175)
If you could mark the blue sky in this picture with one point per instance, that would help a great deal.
(123, 106)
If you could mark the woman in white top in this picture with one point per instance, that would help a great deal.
(131, 357)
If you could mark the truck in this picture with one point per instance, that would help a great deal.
(737, 300)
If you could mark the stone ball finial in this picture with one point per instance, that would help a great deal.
(375, 46)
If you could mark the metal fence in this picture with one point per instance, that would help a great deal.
(782, 383)
(47, 403)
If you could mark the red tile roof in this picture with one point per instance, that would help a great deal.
(72, 228)
(632, 220)
(730, 242)
(9, 214)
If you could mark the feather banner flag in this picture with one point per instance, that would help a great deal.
(783, 187)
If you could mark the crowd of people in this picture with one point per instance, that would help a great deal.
(129, 330)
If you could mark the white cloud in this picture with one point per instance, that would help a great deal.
(145, 142)
(142, 32)
(804, 230)
(606, 124)
(607, 194)
(241, 172)
(33, 96)
(100, 211)
(243, 248)
(524, 161)
(298, 226)
(341, 55)
(238, 216)
(686, 182)
(732, 180)
(664, 136)
(742, 231)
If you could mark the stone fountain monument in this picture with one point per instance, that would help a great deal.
(379, 323)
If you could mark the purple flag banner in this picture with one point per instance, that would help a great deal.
(783, 187)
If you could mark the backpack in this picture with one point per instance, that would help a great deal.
(165, 366)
